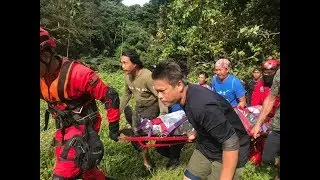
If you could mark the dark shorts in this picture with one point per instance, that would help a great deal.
(199, 167)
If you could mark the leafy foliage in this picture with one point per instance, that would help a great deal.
(205, 31)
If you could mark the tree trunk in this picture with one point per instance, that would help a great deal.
(68, 45)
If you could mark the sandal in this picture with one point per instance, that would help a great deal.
(150, 169)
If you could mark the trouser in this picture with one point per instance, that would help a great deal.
(92, 174)
(271, 147)
(68, 168)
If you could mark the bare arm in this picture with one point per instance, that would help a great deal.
(229, 157)
(229, 164)
(242, 102)
(266, 108)
(216, 124)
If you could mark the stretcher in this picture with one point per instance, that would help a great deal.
(152, 141)
(166, 130)
(249, 117)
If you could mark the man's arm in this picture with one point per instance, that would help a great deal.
(215, 123)
(125, 97)
(90, 83)
(240, 92)
(242, 102)
(229, 157)
(266, 108)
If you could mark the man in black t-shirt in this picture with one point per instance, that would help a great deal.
(222, 144)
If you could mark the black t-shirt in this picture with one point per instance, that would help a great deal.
(215, 121)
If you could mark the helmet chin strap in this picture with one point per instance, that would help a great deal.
(46, 64)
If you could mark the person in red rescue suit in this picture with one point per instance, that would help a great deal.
(259, 94)
(70, 89)
(262, 87)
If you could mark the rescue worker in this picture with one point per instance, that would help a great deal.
(260, 93)
(70, 89)
(262, 87)
(272, 146)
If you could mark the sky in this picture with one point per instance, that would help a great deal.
(132, 2)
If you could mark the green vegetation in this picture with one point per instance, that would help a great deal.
(195, 31)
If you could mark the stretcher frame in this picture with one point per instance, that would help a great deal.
(151, 141)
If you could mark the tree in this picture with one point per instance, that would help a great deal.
(205, 30)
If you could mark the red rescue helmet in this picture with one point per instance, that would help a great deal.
(46, 40)
(272, 64)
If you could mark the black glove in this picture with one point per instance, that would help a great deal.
(113, 130)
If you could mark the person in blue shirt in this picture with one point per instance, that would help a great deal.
(227, 85)
(174, 108)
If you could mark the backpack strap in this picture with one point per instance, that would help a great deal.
(71, 143)
(63, 80)
(46, 119)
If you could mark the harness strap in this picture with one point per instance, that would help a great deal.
(70, 143)
(86, 120)
(46, 120)
(63, 79)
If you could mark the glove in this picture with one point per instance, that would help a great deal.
(113, 130)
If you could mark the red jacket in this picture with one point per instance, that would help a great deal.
(79, 81)
(260, 93)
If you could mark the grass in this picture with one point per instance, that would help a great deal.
(120, 159)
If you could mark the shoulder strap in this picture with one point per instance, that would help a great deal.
(63, 79)
(46, 119)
